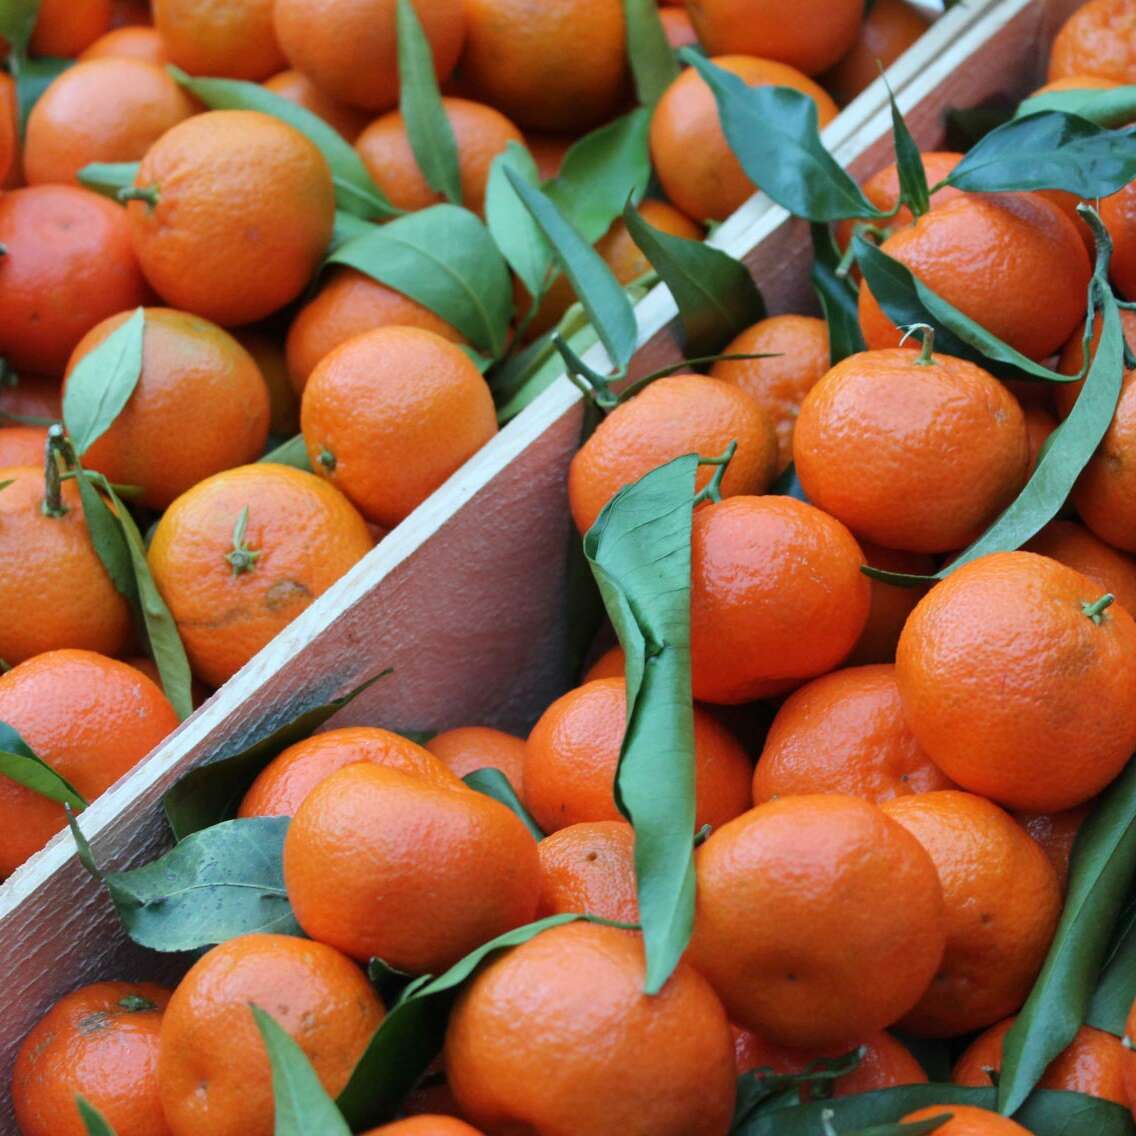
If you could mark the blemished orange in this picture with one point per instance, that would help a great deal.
(90, 718)
(349, 48)
(99, 1042)
(230, 599)
(22, 445)
(347, 304)
(677, 415)
(692, 158)
(1055, 834)
(297, 88)
(589, 868)
(888, 29)
(573, 752)
(1071, 544)
(468, 748)
(965, 1120)
(891, 603)
(818, 919)
(213, 1071)
(777, 597)
(611, 664)
(1012, 261)
(1064, 722)
(238, 215)
(130, 42)
(679, 27)
(1099, 39)
(68, 264)
(52, 576)
(797, 347)
(280, 788)
(65, 27)
(266, 347)
(480, 132)
(1118, 212)
(360, 877)
(844, 733)
(624, 1061)
(233, 38)
(1092, 1064)
(1002, 902)
(201, 406)
(390, 414)
(425, 1125)
(939, 448)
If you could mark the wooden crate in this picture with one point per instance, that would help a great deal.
(466, 599)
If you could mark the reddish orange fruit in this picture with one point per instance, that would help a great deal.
(469, 748)
(267, 351)
(679, 28)
(425, 1125)
(589, 868)
(967, 1121)
(234, 38)
(130, 42)
(1098, 39)
(9, 129)
(1070, 544)
(297, 88)
(891, 604)
(888, 29)
(22, 445)
(1056, 834)
(65, 27)
(1118, 213)
(611, 664)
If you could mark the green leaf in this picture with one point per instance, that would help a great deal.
(592, 280)
(355, 192)
(347, 227)
(1115, 106)
(444, 258)
(427, 127)
(302, 1105)
(913, 190)
(837, 295)
(1116, 990)
(94, 1121)
(17, 22)
(511, 224)
(715, 294)
(102, 382)
(108, 178)
(493, 783)
(211, 792)
(773, 132)
(20, 763)
(293, 452)
(107, 537)
(639, 550)
(653, 62)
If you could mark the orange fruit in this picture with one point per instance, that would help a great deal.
(233, 38)
(469, 748)
(1092, 1064)
(229, 601)
(128, 13)
(200, 407)
(589, 868)
(92, 719)
(1055, 834)
(65, 27)
(1040, 423)
(777, 597)
(939, 448)
(390, 414)
(548, 151)
(797, 347)
(30, 396)
(889, 28)
(242, 213)
(130, 42)
(819, 919)
(297, 88)
(349, 48)
(1077, 83)
(358, 877)
(665, 1065)
(967, 1121)
(68, 264)
(1098, 39)
(22, 445)
(9, 128)
(1118, 212)
(104, 110)
(267, 351)
(679, 28)
(573, 752)
(844, 733)
(1064, 722)
(677, 415)
(891, 604)
(692, 158)
(51, 574)
(1002, 902)
(213, 1070)
(1012, 261)
(1070, 544)
(425, 1125)
(611, 664)
(99, 1042)
(348, 304)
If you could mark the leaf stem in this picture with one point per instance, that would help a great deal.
(712, 491)
(1095, 610)
(593, 384)
(146, 193)
(927, 334)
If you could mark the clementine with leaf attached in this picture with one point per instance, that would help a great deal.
(469, 748)
(233, 38)
(297, 88)
(589, 868)
(891, 603)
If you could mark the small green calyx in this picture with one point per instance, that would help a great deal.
(147, 193)
(242, 559)
(927, 335)
(136, 1004)
(1095, 610)
(327, 460)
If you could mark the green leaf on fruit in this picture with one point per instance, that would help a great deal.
(493, 783)
(653, 62)
(20, 763)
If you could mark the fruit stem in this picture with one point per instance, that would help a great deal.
(863, 229)
(593, 384)
(712, 491)
(1096, 609)
(57, 451)
(147, 193)
(242, 558)
(136, 1004)
(327, 459)
(927, 333)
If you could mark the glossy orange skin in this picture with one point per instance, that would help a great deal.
(51, 574)
(9, 128)
(469, 748)
(573, 752)
(1002, 902)
(589, 868)
(968, 1121)
(798, 346)
(349, 48)
(213, 1071)
(297, 88)
(557, 1037)
(1056, 833)
(130, 42)
(280, 788)
(777, 597)
(692, 158)
(233, 38)
(611, 664)
(679, 27)
(887, 31)
(379, 863)
(891, 604)
(1068, 543)
(677, 415)
(307, 533)
(844, 733)
(818, 919)
(1012, 261)
(938, 449)
(69, 264)
(22, 445)
(1119, 215)
(201, 406)
(425, 1125)
(1093, 1064)
(1064, 722)
(92, 719)
(244, 215)
(100, 1042)
(1098, 39)
(390, 414)
(65, 27)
